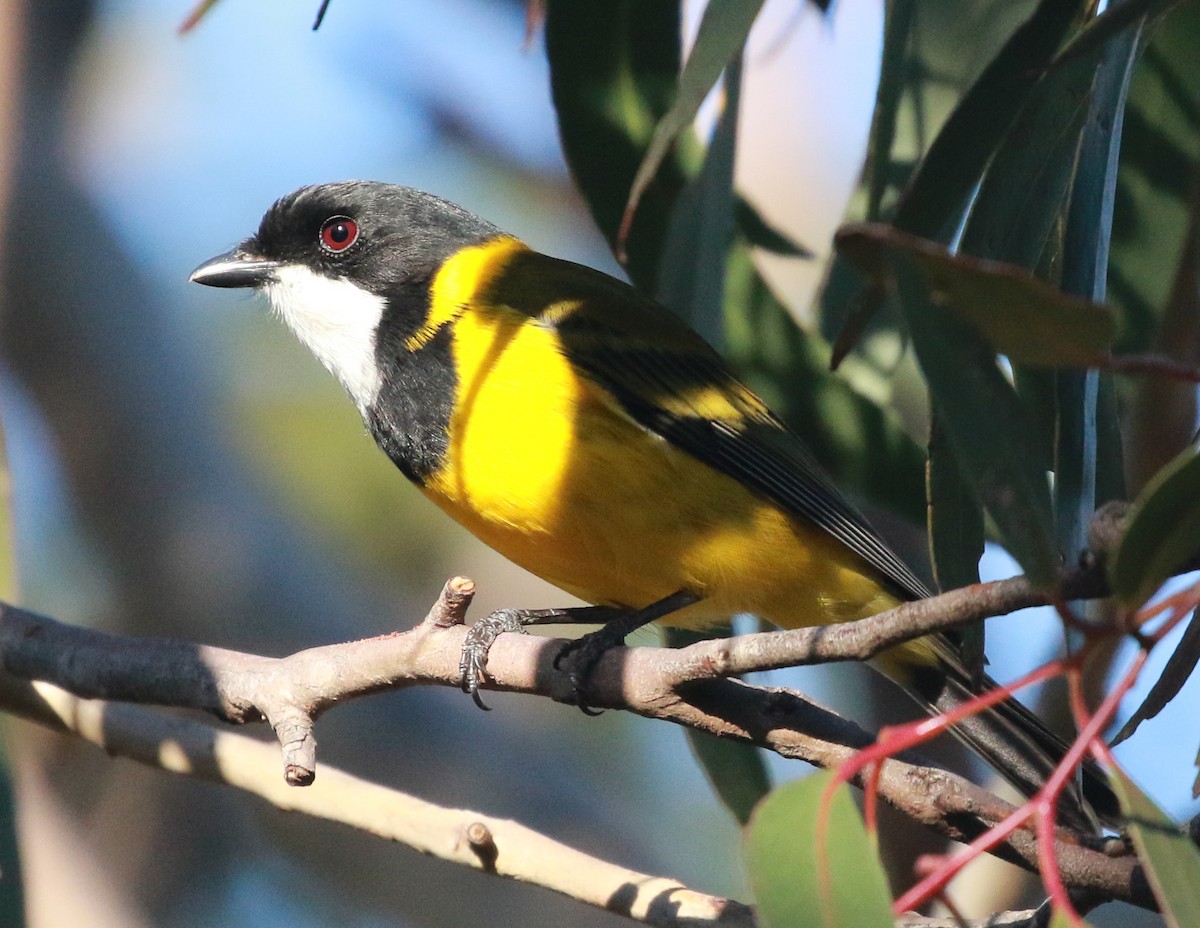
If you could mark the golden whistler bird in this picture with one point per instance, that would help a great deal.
(585, 432)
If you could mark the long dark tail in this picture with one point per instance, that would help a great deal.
(1022, 749)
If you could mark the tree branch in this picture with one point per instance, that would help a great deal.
(689, 687)
(497, 846)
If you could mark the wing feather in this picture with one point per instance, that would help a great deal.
(675, 384)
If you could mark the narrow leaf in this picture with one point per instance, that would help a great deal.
(722, 35)
(1023, 195)
(795, 882)
(1163, 534)
(956, 158)
(613, 74)
(956, 533)
(994, 450)
(1018, 315)
(1159, 167)
(1118, 18)
(899, 16)
(955, 516)
(945, 178)
(1171, 860)
(761, 234)
(692, 278)
(1161, 413)
(1086, 243)
(1179, 667)
(736, 771)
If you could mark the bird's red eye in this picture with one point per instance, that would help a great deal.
(338, 233)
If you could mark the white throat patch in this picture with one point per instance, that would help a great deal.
(337, 321)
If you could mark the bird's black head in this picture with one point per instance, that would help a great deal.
(377, 235)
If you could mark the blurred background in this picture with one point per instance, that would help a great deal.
(182, 467)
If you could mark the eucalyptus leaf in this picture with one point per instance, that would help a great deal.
(956, 159)
(614, 68)
(761, 234)
(736, 771)
(691, 279)
(1086, 243)
(798, 884)
(956, 534)
(722, 35)
(993, 450)
(1179, 667)
(899, 19)
(1026, 319)
(1170, 857)
(1163, 533)
(939, 189)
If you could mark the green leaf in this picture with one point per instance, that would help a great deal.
(613, 74)
(1155, 183)
(955, 516)
(1086, 242)
(722, 35)
(899, 17)
(945, 178)
(1178, 669)
(1112, 22)
(994, 448)
(956, 158)
(1170, 857)
(1163, 534)
(1110, 444)
(956, 534)
(761, 234)
(691, 280)
(1023, 195)
(1018, 315)
(799, 885)
(1155, 253)
(736, 771)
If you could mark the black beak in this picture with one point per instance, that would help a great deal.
(236, 268)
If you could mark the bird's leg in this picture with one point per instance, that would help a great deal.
(583, 653)
(616, 623)
(472, 665)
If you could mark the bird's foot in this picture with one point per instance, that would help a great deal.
(578, 658)
(472, 663)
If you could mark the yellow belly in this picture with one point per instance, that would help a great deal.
(545, 467)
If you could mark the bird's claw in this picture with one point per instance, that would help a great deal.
(472, 663)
